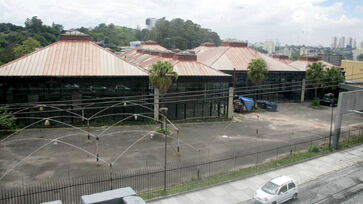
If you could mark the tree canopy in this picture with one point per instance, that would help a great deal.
(180, 34)
(12, 36)
(29, 45)
(316, 75)
(256, 70)
(334, 76)
(173, 34)
(360, 57)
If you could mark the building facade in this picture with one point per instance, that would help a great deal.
(192, 76)
(353, 70)
(233, 58)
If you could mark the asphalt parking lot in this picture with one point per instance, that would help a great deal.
(133, 147)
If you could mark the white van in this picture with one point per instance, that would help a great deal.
(277, 190)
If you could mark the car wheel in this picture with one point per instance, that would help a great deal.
(294, 197)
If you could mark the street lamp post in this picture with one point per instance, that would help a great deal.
(165, 139)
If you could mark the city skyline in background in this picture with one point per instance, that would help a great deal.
(308, 22)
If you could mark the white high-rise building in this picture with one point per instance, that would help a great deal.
(354, 44)
(150, 23)
(303, 51)
(334, 42)
(269, 46)
(341, 43)
(350, 42)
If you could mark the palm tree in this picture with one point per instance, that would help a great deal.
(256, 70)
(316, 74)
(161, 76)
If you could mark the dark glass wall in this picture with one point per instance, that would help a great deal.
(277, 86)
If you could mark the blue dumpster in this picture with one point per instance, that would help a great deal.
(271, 106)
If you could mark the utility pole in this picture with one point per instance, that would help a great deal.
(166, 140)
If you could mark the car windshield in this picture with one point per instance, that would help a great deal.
(270, 188)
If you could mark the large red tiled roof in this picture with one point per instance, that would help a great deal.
(146, 55)
(71, 58)
(302, 65)
(229, 57)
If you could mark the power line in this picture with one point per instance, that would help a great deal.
(149, 97)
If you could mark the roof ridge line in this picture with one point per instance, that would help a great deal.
(26, 55)
(220, 56)
(119, 57)
(213, 68)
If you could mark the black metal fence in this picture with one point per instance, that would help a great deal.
(180, 176)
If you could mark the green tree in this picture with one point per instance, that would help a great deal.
(316, 75)
(360, 57)
(334, 76)
(256, 70)
(29, 45)
(7, 119)
(162, 75)
(295, 56)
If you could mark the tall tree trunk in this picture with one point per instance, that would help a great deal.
(316, 92)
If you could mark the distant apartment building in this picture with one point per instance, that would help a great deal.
(354, 44)
(303, 51)
(150, 23)
(333, 59)
(334, 43)
(341, 43)
(285, 52)
(360, 45)
(269, 46)
(349, 42)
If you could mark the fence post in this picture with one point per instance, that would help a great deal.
(256, 162)
(234, 154)
(303, 91)
(230, 103)
(277, 155)
(311, 145)
(111, 187)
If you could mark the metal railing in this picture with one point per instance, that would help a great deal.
(181, 175)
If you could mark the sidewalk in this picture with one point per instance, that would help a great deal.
(243, 190)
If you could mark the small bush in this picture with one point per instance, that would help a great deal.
(161, 131)
(315, 102)
(314, 148)
(7, 119)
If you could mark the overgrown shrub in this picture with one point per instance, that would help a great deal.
(314, 148)
(315, 102)
(161, 131)
(7, 119)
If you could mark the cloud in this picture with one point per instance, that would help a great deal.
(295, 22)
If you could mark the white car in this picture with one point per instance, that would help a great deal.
(277, 190)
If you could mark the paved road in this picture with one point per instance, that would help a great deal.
(343, 186)
(304, 174)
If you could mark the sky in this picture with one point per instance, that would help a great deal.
(298, 22)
